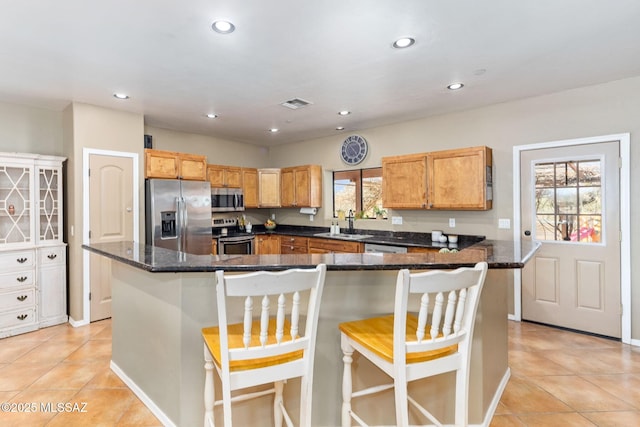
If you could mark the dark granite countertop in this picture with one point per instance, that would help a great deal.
(395, 238)
(499, 254)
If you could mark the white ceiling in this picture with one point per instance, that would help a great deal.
(334, 53)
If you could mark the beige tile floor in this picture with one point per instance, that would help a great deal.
(558, 378)
(63, 364)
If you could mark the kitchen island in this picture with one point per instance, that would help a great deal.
(162, 299)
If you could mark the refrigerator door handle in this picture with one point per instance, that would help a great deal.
(185, 219)
(180, 222)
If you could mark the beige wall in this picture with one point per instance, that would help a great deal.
(30, 130)
(218, 151)
(87, 126)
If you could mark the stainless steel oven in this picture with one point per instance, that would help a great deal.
(231, 241)
(241, 244)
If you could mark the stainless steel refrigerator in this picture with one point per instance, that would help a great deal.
(178, 215)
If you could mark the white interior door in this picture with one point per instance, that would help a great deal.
(570, 199)
(111, 216)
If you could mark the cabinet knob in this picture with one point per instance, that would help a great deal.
(21, 279)
(52, 256)
(21, 260)
(21, 298)
(21, 317)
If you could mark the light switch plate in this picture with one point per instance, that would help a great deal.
(396, 220)
(452, 222)
(504, 223)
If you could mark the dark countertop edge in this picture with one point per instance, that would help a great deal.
(209, 263)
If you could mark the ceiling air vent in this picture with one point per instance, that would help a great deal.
(295, 103)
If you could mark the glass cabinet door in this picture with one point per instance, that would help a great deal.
(15, 205)
(49, 215)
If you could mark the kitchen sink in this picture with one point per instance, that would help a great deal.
(344, 236)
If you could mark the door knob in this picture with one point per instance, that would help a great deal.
(129, 209)
(527, 233)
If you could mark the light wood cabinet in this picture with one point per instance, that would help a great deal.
(301, 186)
(214, 246)
(460, 179)
(269, 188)
(267, 244)
(325, 246)
(224, 176)
(250, 187)
(294, 244)
(404, 182)
(174, 165)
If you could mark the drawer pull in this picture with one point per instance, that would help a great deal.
(21, 279)
(21, 317)
(21, 297)
(22, 260)
(52, 256)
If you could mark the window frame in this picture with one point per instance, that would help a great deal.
(357, 175)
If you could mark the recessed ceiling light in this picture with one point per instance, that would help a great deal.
(274, 130)
(455, 86)
(121, 95)
(403, 42)
(223, 27)
(344, 112)
(340, 128)
(212, 116)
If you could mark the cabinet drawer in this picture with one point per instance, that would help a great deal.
(18, 318)
(331, 245)
(17, 299)
(50, 256)
(15, 259)
(289, 249)
(19, 278)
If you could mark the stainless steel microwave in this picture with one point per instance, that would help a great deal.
(227, 200)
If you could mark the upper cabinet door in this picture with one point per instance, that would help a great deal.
(301, 186)
(460, 179)
(269, 188)
(160, 164)
(224, 176)
(250, 187)
(173, 165)
(49, 193)
(16, 203)
(192, 167)
(404, 182)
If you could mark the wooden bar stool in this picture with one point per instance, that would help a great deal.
(409, 346)
(267, 348)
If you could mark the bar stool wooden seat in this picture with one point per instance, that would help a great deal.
(408, 346)
(275, 345)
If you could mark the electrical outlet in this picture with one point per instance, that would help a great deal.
(273, 216)
(311, 218)
(504, 223)
(396, 220)
(452, 222)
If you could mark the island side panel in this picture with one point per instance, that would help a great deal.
(157, 319)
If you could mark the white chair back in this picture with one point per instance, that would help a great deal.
(447, 309)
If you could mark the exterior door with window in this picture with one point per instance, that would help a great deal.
(570, 203)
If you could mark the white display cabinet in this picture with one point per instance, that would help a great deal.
(33, 288)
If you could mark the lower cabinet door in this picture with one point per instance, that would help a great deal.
(52, 286)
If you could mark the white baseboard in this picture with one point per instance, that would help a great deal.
(142, 396)
(496, 398)
(77, 323)
(635, 343)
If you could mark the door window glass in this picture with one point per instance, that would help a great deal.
(568, 201)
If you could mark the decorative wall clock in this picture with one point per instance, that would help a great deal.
(354, 150)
